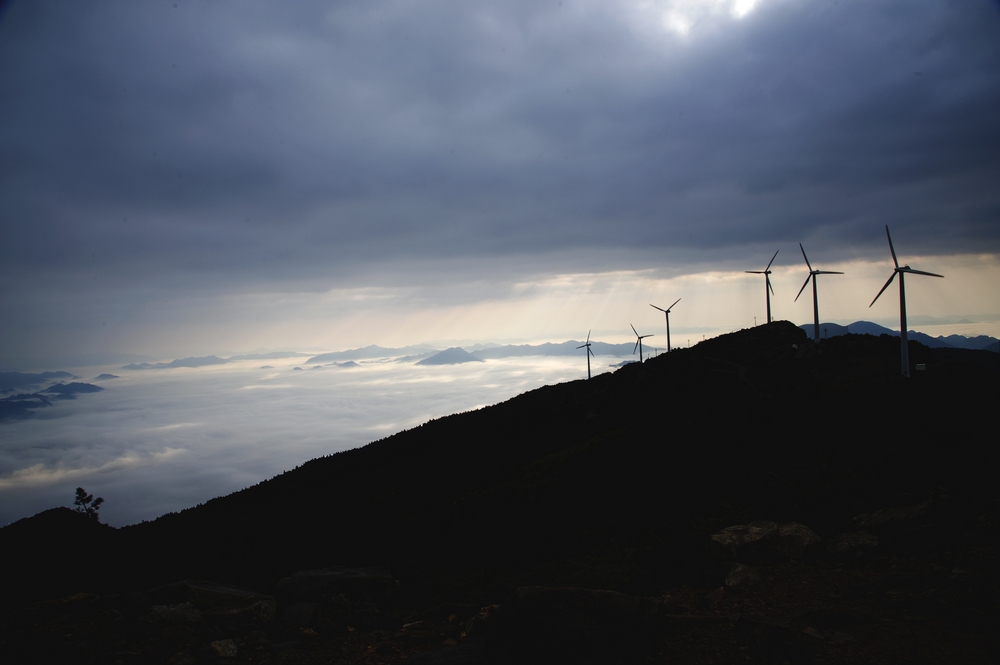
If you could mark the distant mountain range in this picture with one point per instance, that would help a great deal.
(372, 351)
(452, 356)
(548, 349)
(424, 355)
(978, 343)
(273, 355)
(181, 362)
(12, 380)
(420, 353)
(17, 407)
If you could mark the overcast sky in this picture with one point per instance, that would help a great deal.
(200, 177)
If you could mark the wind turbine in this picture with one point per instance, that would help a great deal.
(904, 351)
(638, 340)
(768, 289)
(589, 353)
(812, 276)
(667, 312)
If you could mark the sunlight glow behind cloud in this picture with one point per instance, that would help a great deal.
(319, 178)
(681, 16)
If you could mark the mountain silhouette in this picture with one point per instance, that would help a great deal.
(418, 352)
(12, 380)
(18, 407)
(180, 362)
(70, 390)
(452, 356)
(271, 355)
(614, 483)
(570, 348)
(370, 351)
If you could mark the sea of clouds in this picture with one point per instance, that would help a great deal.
(156, 441)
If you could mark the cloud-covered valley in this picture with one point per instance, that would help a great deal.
(154, 442)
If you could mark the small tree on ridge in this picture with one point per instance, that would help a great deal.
(87, 504)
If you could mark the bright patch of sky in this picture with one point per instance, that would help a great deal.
(684, 16)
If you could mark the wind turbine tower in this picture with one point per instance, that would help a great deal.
(667, 313)
(904, 351)
(638, 341)
(589, 353)
(768, 289)
(812, 276)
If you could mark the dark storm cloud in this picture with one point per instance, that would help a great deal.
(214, 143)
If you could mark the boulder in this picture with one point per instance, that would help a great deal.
(794, 539)
(851, 545)
(174, 614)
(234, 602)
(746, 542)
(763, 542)
(742, 576)
(363, 598)
(224, 648)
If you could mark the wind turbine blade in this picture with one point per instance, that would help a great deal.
(591, 352)
(583, 345)
(771, 261)
(655, 307)
(920, 272)
(891, 250)
(588, 337)
(891, 277)
(672, 306)
(645, 336)
(828, 272)
(755, 272)
(634, 330)
(635, 347)
(768, 278)
(803, 287)
(805, 257)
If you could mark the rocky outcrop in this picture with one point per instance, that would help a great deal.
(763, 542)
(852, 545)
(363, 598)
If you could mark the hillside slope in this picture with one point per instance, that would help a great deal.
(614, 482)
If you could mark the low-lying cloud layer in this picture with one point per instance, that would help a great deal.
(155, 442)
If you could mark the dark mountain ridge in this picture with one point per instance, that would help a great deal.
(759, 422)
(578, 485)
